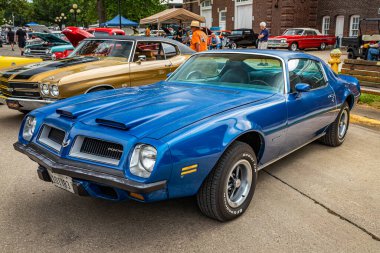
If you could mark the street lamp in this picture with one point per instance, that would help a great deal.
(75, 10)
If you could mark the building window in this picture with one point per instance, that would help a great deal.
(354, 26)
(206, 3)
(223, 16)
(325, 25)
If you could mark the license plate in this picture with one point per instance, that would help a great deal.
(13, 104)
(61, 181)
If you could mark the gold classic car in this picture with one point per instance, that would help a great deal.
(98, 63)
(10, 61)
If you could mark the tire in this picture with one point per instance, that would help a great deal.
(224, 195)
(293, 47)
(350, 55)
(24, 111)
(322, 46)
(233, 45)
(336, 132)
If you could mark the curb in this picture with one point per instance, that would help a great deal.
(356, 119)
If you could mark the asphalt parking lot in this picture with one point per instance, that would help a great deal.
(318, 199)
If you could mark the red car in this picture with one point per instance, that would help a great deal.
(105, 30)
(301, 38)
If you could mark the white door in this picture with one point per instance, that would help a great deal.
(339, 26)
(243, 14)
(207, 13)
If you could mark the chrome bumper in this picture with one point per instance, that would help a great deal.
(277, 45)
(85, 171)
(28, 104)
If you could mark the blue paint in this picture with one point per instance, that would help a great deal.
(190, 123)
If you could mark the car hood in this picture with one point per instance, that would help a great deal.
(156, 110)
(51, 38)
(75, 35)
(57, 69)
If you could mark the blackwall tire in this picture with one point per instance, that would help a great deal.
(228, 190)
(337, 131)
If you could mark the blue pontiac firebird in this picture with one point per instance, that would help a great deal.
(205, 131)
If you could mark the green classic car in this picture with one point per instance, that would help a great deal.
(48, 47)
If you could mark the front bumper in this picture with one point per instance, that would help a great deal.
(277, 45)
(27, 104)
(84, 171)
(3, 99)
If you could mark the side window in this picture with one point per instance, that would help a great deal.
(305, 71)
(170, 50)
(152, 50)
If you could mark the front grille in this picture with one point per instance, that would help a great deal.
(97, 150)
(102, 148)
(24, 85)
(4, 89)
(52, 137)
(26, 94)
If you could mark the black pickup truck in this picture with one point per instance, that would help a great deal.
(242, 38)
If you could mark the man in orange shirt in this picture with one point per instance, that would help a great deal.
(199, 39)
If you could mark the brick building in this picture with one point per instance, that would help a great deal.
(337, 17)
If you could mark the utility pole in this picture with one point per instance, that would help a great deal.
(119, 4)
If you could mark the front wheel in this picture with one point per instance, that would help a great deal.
(227, 191)
(336, 133)
(350, 55)
(233, 45)
(293, 47)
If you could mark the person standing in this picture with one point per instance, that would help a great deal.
(374, 52)
(147, 32)
(21, 39)
(199, 39)
(179, 35)
(11, 38)
(263, 36)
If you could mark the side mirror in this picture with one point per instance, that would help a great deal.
(141, 58)
(303, 87)
(169, 74)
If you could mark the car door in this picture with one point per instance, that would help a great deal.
(311, 112)
(307, 39)
(149, 64)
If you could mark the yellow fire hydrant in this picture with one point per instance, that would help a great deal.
(335, 60)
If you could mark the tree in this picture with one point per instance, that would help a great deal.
(101, 11)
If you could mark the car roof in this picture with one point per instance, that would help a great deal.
(183, 48)
(285, 55)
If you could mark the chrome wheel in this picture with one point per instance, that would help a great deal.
(233, 46)
(294, 47)
(239, 183)
(343, 124)
(323, 46)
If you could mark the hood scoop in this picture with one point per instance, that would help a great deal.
(111, 123)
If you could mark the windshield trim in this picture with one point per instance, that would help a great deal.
(285, 90)
(91, 39)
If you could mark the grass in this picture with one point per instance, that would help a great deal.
(370, 99)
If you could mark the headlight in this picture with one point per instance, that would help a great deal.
(45, 89)
(29, 127)
(27, 50)
(143, 160)
(283, 41)
(48, 51)
(54, 91)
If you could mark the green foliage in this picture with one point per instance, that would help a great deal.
(370, 99)
(45, 11)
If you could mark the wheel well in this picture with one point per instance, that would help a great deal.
(98, 87)
(350, 101)
(253, 139)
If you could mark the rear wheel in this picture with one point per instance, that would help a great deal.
(227, 191)
(293, 47)
(322, 46)
(336, 133)
(350, 55)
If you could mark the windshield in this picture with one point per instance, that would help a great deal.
(104, 48)
(244, 71)
(237, 32)
(293, 32)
